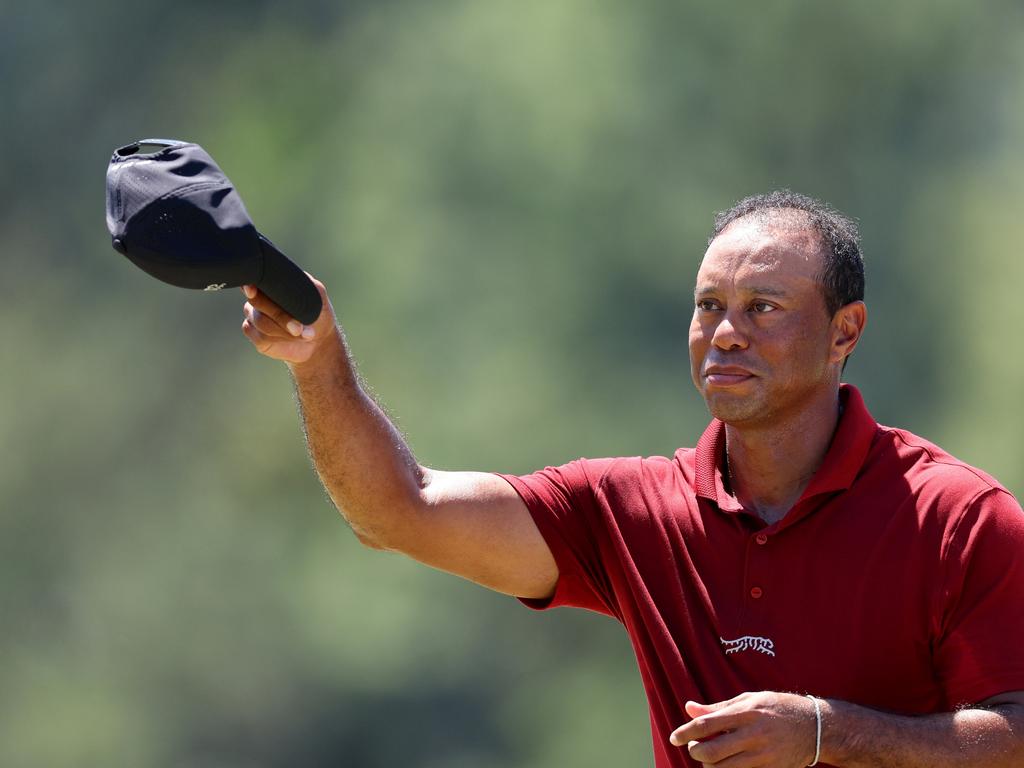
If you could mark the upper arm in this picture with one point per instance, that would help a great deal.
(475, 525)
(978, 651)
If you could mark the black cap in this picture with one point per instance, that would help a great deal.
(175, 214)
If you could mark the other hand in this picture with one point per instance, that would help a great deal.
(765, 729)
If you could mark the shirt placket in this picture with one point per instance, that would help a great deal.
(757, 587)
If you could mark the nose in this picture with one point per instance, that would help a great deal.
(728, 334)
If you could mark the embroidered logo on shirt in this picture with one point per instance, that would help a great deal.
(749, 643)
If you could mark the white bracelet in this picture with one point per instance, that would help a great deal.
(817, 738)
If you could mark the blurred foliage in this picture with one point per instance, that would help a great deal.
(508, 201)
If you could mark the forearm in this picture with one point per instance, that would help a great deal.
(363, 461)
(858, 737)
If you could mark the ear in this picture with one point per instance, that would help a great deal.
(847, 326)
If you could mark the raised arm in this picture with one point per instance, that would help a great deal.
(472, 524)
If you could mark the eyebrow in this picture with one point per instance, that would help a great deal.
(703, 290)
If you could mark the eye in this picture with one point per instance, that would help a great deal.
(761, 307)
(707, 305)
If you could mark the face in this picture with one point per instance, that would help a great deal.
(761, 338)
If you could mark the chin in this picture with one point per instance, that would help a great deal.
(735, 409)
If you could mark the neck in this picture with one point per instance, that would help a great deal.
(770, 465)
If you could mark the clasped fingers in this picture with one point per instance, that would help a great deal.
(275, 327)
(766, 729)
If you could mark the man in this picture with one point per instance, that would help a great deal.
(805, 586)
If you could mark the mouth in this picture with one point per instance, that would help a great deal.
(724, 376)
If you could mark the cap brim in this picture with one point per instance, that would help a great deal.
(285, 284)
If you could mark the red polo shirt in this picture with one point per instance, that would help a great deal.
(895, 582)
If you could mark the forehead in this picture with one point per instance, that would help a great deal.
(771, 253)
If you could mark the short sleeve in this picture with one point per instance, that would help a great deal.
(561, 501)
(979, 653)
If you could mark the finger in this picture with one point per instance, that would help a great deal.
(326, 314)
(321, 288)
(262, 343)
(714, 751)
(703, 727)
(742, 760)
(264, 323)
(282, 318)
(287, 349)
(696, 709)
(249, 291)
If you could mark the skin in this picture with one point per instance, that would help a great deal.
(777, 730)
(758, 307)
(767, 358)
(471, 524)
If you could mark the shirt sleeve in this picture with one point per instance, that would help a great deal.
(978, 654)
(562, 503)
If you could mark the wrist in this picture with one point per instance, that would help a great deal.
(328, 358)
(817, 729)
(835, 727)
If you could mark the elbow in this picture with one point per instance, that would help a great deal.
(375, 534)
(368, 540)
(384, 525)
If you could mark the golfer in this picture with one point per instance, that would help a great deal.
(805, 586)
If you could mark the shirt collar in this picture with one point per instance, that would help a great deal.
(845, 456)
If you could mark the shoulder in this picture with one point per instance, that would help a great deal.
(641, 470)
(621, 487)
(935, 477)
(620, 476)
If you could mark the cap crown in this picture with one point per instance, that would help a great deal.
(176, 215)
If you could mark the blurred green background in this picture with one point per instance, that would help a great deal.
(508, 202)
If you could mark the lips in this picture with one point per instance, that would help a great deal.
(726, 375)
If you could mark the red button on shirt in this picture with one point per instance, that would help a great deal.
(761, 538)
(756, 592)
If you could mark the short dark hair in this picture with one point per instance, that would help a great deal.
(842, 273)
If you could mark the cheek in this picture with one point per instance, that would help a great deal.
(698, 347)
(697, 338)
(698, 329)
(802, 350)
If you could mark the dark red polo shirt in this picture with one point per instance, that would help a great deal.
(895, 582)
